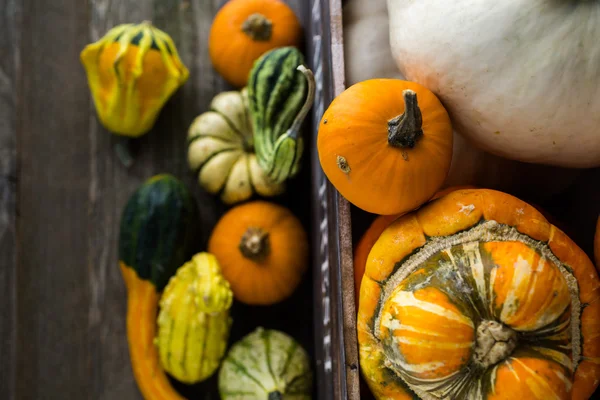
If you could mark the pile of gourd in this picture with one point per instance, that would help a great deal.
(249, 142)
(464, 292)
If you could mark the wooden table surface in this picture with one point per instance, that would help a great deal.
(62, 189)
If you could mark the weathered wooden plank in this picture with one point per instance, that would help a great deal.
(108, 189)
(10, 14)
(52, 292)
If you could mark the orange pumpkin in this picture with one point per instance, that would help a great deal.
(263, 251)
(386, 145)
(243, 30)
(477, 296)
(368, 239)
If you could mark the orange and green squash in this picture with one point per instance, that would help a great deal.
(386, 145)
(132, 71)
(263, 251)
(477, 296)
(369, 238)
(243, 30)
(158, 233)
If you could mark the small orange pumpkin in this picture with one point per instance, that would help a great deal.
(263, 251)
(368, 239)
(386, 145)
(243, 30)
(477, 296)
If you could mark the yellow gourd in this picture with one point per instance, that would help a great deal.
(132, 71)
(194, 322)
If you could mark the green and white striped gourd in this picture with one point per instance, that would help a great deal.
(194, 322)
(280, 91)
(266, 365)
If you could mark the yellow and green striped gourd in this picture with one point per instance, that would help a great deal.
(194, 322)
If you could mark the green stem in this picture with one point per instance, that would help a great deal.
(310, 98)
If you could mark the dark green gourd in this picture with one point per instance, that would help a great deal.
(281, 92)
(158, 229)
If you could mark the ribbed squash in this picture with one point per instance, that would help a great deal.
(194, 322)
(266, 365)
(386, 145)
(281, 92)
(477, 296)
(221, 152)
(369, 238)
(132, 71)
(158, 234)
(263, 251)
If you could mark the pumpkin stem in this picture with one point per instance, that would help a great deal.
(494, 343)
(310, 97)
(407, 128)
(258, 27)
(255, 244)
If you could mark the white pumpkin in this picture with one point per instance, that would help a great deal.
(367, 41)
(520, 78)
(220, 151)
(368, 55)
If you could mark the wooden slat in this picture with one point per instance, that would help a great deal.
(9, 48)
(53, 183)
(351, 358)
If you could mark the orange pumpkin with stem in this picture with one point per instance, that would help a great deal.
(263, 251)
(476, 295)
(386, 145)
(243, 30)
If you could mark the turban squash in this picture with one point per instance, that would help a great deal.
(477, 296)
(369, 238)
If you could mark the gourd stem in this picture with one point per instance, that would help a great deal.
(494, 343)
(258, 27)
(254, 244)
(123, 150)
(310, 98)
(406, 129)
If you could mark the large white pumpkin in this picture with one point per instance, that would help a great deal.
(520, 78)
(368, 55)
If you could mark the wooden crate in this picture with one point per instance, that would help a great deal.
(62, 190)
(575, 210)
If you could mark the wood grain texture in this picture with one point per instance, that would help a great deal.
(10, 15)
(52, 295)
(71, 300)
